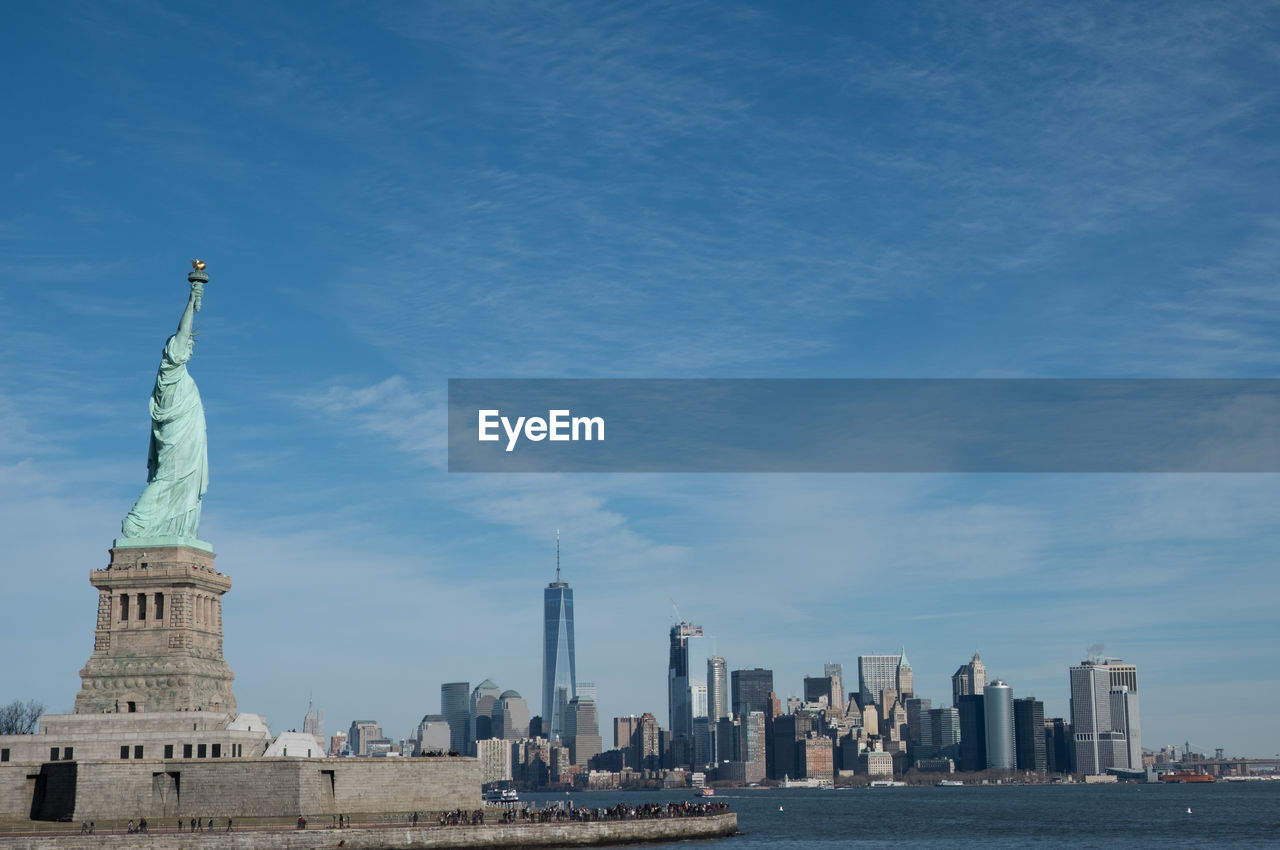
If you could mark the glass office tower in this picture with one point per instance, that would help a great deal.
(559, 675)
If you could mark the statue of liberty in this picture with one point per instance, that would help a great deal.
(177, 460)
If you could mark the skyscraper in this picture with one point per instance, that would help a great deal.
(624, 730)
(717, 707)
(1095, 740)
(944, 734)
(970, 678)
(875, 674)
(973, 732)
(1029, 734)
(360, 734)
(559, 674)
(717, 688)
(1124, 719)
(906, 678)
(918, 731)
(1058, 747)
(514, 713)
(836, 673)
(820, 689)
(686, 687)
(998, 716)
(1123, 675)
(647, 743)
(582, 730)
(483, 703)
(751, 745)
(455, 706)
(751, 690)
(433, 734)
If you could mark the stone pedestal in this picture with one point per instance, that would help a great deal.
(158, 643)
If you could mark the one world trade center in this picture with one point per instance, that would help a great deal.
(559, 676)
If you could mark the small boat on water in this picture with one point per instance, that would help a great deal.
(888, 783)
(501, 795)
(950, 783)
(706, 792)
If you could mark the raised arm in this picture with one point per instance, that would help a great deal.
(193, 306)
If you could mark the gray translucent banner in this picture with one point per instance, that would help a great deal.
(864, 425)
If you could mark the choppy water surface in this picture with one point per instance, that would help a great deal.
(1240, 814)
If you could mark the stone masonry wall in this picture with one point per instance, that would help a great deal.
(271, 787)
(435, 838)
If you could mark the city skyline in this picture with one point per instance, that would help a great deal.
(388, 198)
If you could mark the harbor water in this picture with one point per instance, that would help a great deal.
(1236, 814)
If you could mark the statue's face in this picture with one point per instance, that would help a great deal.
(191, 344)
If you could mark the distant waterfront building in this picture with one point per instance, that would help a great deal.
(624, 731)
(558, 760)
(820, 689)
(875, 674)
(817, 758)
(944, 733)
(1029, 735)
(434, 734)
(559, 672)
(647, 743)
(1095, 740)
(337, 744)
(703, 742)
(727, 730)
(455, 705)
(313, 724)
(997, 709)
(751, 745)
(893, 726)
(1058, 747)
(973, 733)
(483, 704)
(1124, 719)
(970, 678)
(512, 717)
(835, 672)
(906, 678)
(1122, 675)
(788, 731)
(582, 730)
(361, 734)
(530, 759)
(751, 690)
(494, 755)
(918, 732)
(687, 689)
(877, 764)
(717, 706)
(717, 688)
(871, 719)
(379, 747)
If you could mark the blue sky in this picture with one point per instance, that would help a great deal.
(391, 195)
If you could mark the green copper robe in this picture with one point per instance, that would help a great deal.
(177, 461)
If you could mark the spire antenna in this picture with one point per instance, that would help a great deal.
(557, 556)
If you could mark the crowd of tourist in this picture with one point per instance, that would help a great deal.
(554, 813)
(557, 814)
